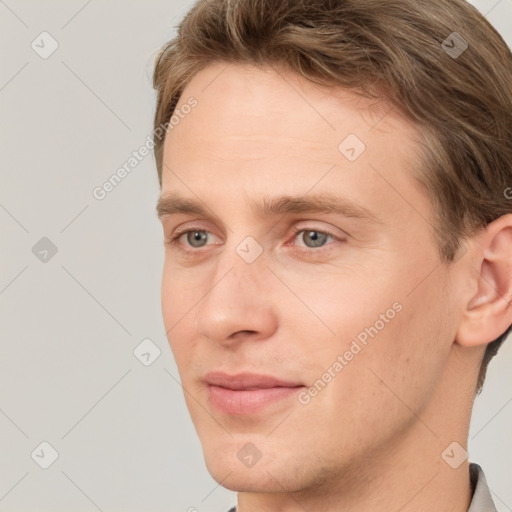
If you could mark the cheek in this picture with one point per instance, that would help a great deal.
(381, 322)
(181, 289)
(178, 298)
(339, 306)
(405, 351)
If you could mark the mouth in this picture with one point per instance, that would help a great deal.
(247, 393)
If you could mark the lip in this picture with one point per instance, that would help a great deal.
(247, 393)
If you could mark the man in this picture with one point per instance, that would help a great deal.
(338, 261)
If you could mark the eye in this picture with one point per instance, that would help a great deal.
(312, 238)
(195, 238)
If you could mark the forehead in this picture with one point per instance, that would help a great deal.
(260, 110)
(263, 130)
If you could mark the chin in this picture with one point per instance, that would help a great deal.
(240, 467)
(244, 479)
(268, 475)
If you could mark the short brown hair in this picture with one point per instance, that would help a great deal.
(410, 53)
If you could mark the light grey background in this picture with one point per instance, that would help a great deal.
(70, 325)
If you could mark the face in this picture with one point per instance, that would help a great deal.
(299, 331)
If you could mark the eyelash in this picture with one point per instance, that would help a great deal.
(174, 240)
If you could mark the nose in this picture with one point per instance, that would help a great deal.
(239, 302)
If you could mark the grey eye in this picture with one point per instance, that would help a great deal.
(196, 238)
(317, 238)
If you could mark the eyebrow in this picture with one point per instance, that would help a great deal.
(171, 203)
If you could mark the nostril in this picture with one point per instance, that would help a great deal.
(245, 331)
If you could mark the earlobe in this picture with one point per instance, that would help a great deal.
(488, 313)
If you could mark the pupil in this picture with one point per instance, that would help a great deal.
(316, 237)
(196, 236)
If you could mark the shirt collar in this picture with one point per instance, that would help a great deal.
(482, 500)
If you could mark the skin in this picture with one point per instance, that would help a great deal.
(372, 438)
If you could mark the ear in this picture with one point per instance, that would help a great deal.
(488, 313)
